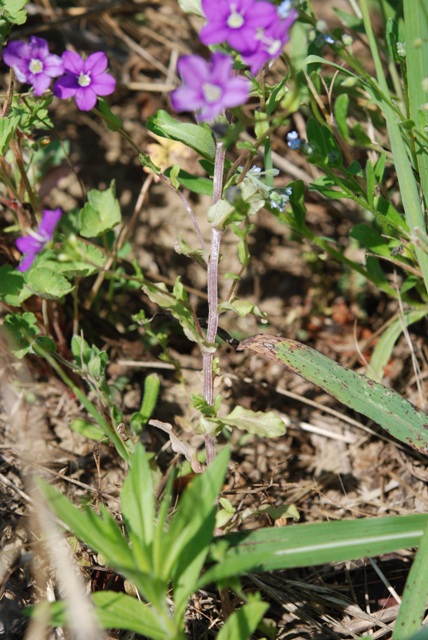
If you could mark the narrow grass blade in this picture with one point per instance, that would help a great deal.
(416, 32)
(312, 544)
(413, 605)
(387, 408)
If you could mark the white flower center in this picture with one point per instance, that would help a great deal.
(274, 47)
(35, 66)
(235, 20)
(84, 79)
(211, 92)
(40, 236)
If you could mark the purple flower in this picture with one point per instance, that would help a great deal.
(209, 87)
(32, 244)
(84, 80)
(271, 41)
(33, 63)
(236, 22)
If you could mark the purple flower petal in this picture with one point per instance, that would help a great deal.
(86, 98)
(85, 79)
(29, 244)
(32, 244)
(209, 87)
(221, 68)
(236, 22)
(40, 83)
(65, 87)
(182, 97)
(104, 84)
(50, 219)
(96, 63)
(73, 63)
(193, 69)
(33, 63)
(27, 262)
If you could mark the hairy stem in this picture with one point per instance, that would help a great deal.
(213, 295)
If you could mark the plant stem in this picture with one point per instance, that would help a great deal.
(212, 290)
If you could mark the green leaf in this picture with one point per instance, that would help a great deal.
(242, 308)
(369, 238)
(413, 604)
(306, 545)
(101, 213)
(326, 186)
(177, 303)
(195, 136)
(244, 622)
(138, 503)
(120, 611)
(383, 349)
(387, 408)
(191, 6)
(88, 430)
(266, 424)
(13, 11)
(341, 107)
(85, 260)
(112, 121)
(150, 398)
(190, 533)
(12, 286)
(147, 162)
(7, 129)
(196, 184)
(101, 533)
(48, 284)
(21, 330)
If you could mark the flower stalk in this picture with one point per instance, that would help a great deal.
(212, 290)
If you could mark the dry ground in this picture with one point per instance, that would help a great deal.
(331, 464)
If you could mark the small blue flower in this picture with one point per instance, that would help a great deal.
(279, 198)
(284, 9)
(293, 140)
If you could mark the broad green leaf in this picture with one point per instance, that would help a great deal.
(328, 188)
(242, 308)
(7, 129)
(21, 331)
(191, 6)
(101, 213)
(305, 545)
(195, 136)
(387, 408)
(120, 611)
(196, 184)
(12, 286)
(177, 303)
(383, 349)
(261, 423)
(243, 623)
(138, 502)
(48, 284)
(413, 604)
(100, 532)
(190, 533)
(341, 107)
(88, 260)
(150, 398)
(87, 429)
(13, 10)
(111, 120)
(369, 238)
